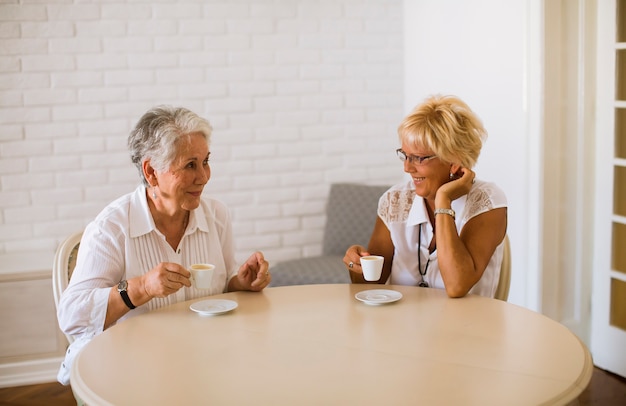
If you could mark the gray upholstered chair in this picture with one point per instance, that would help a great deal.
(350, 217)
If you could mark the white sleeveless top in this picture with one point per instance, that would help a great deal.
(404, 213)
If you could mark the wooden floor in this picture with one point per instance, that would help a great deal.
(604, 389)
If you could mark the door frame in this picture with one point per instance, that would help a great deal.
(567, 230)
(608, 343)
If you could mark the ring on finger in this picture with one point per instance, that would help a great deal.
(351, 264)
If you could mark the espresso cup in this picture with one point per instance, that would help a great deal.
(372, 266)
(201, 275)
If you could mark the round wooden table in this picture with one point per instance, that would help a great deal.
(318, 345)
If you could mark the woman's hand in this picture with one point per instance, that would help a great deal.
(161, 281)
(253, 275)
(454, 189)
(165, 279)
(380, 244)
(352, 259)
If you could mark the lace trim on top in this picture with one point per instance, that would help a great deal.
(478, 201)
(395, 205)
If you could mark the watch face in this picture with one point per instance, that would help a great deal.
(122, 285)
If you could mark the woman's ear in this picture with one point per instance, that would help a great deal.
(149, 173)
(455, 170)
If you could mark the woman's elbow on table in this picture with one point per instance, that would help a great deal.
(456, 291)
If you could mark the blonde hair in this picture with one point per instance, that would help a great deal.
(448, 127)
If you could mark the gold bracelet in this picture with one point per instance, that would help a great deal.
(445, 211)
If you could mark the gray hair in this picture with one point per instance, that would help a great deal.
(158, 134)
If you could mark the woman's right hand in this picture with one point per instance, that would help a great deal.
(161, 281)
(352, 259)
(164, 279)
(380, 244)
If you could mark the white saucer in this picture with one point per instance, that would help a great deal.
(378, 296)
(213, 306)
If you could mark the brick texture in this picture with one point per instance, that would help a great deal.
(301, 94)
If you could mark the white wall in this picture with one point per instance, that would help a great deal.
(483, 52)
(300, 94)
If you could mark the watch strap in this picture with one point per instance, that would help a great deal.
(122, 289)
(449, 212)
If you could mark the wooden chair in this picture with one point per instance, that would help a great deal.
(63, 267)
(502, 291)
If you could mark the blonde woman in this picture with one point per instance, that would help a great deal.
(442, 228)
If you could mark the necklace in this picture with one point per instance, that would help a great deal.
(422, 283)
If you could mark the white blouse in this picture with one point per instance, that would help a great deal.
(122, 242)
(405, 215)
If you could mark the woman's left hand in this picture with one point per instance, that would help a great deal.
(253, 275)
(456, 188)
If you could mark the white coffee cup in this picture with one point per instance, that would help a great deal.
(372, 266)
(202, 275)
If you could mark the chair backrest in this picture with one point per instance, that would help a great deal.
(64, 263)
(351, 214)
(502, 291)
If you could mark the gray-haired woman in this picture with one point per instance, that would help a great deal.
(134, 255)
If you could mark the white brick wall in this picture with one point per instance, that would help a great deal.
(300, 93)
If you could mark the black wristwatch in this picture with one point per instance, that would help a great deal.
(121, 287)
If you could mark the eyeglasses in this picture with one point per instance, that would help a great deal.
(413, 159)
